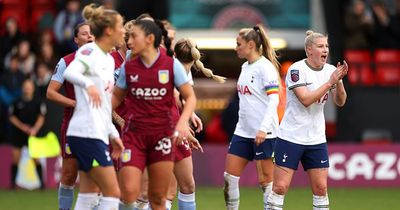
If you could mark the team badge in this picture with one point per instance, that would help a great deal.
(294, 75)
(163, 76)
(86, 51)
(126, 156)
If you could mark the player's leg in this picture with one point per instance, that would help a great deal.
(286, 156)
(239, 154)
(69, 173)
(173, 185)
(265, 166)
(183, 171)
(160, 174)
(142, 202)
(315, 162)
(106, 178)
(130, 181)
(88, 196)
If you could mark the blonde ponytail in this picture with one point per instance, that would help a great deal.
(186, 51)
(267, 49)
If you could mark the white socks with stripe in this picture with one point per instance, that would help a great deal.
(274, 201)
(267, 189)
(320, 202)
(231, 191)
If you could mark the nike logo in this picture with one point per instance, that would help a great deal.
(259, 153)
(324, 161)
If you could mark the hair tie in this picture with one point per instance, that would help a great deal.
(256, 28)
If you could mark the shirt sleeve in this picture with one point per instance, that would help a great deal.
(59, 71)
(84, 55)
(180, 76)
(113, 132)
(270, 80)
(121, 81)
(74, 74)
(295, 77)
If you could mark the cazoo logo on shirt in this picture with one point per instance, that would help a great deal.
(149, 93)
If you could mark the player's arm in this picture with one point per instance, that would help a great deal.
(339, 93)
(56, 82)
(181, 81)
(53, 94)
(307, 97)
(271, 89)
(120, 89)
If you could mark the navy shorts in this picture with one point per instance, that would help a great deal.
(288, 154)
(245, 148)
(89, 152)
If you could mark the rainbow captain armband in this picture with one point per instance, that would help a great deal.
(271, 89)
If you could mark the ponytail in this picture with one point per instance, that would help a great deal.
(186, 51)
(258, 35)
(267, 49)
(166, 40)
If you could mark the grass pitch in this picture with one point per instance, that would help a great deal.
(211, 198)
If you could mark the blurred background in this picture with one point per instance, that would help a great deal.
(35, 34)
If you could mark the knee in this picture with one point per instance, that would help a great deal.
(115, 192)
(320, 189)
(157, 198)
(129, 195)
(187, 188)
(267, 178)
(280, 188)
(68, 177)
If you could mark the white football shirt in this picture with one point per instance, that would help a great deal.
(92, 66)
(258, 87)
(300, 124)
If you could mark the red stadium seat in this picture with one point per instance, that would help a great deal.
(360, 71)
(14, 2)
(387, 64)
(19, 14)
(37, 15)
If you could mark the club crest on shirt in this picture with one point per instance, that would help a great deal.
(126, 155)
(86, 51)
(294, 75)
(163, 76)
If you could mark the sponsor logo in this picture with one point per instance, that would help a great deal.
(259, 153)
(324, 161)
(87, 51)
(361, 165)
(149, 93)
(243, 89)
(294, 75)
(163, 76)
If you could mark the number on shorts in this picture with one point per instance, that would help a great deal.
(164, 145)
